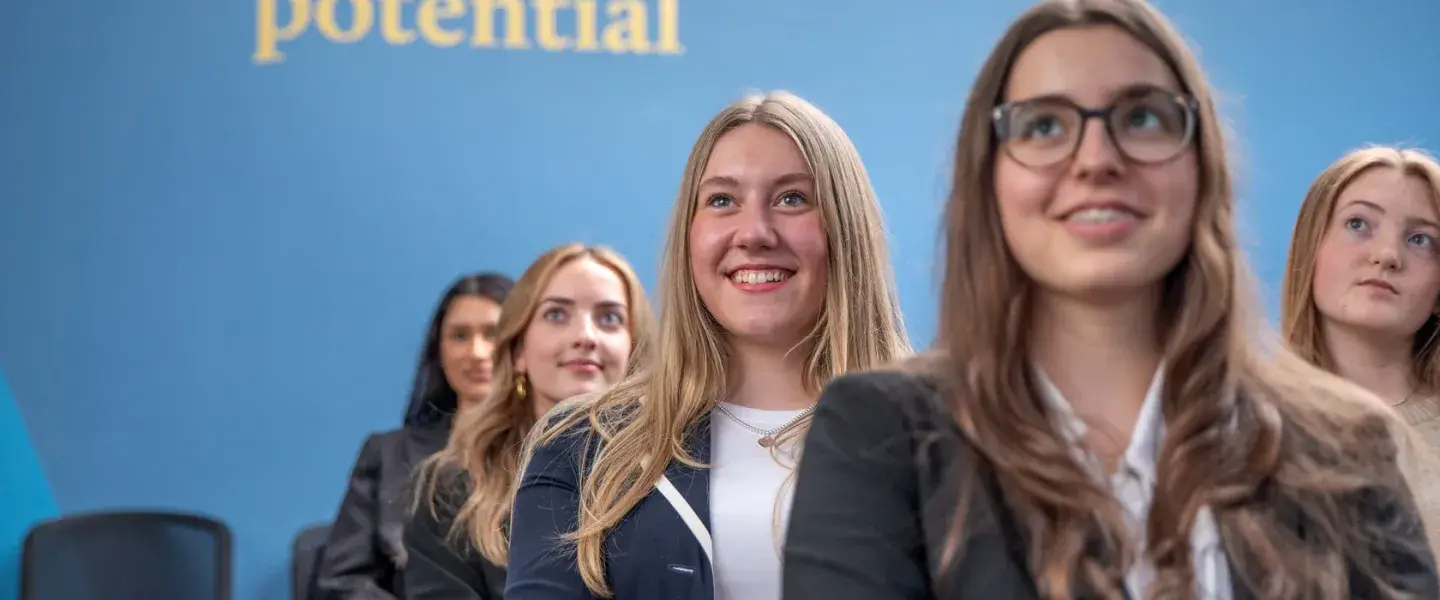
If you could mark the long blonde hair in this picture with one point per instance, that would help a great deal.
(486, 440)
(1300, 320)
(644, 422)
(1249, 425)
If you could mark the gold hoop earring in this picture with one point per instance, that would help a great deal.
(520, 386)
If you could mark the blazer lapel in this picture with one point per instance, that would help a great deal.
(994, 554)
(694, 484)
(995, 558)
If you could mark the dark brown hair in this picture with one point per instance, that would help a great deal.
(431, 397)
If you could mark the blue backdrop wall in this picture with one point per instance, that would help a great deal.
(223, 224)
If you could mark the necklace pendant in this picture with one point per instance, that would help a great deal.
(767, 441)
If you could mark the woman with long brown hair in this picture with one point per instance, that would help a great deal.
(1100, 417)
(1362, 290)
(574, 322)
(675, 484)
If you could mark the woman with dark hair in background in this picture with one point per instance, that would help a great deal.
(364, 553)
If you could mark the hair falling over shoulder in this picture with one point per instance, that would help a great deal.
(642, 425)
(1271, 444)
(474, 475)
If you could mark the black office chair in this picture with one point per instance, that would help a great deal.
(305, 558)
(127, 556)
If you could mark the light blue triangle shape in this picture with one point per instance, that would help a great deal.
(26, 496)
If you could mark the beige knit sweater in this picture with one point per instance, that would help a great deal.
(1423, 471)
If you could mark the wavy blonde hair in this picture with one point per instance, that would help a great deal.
(643, 423)
(1300, 319)
(486, 440)
(1249, 425)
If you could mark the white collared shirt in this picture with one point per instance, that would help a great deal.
(1133, 484)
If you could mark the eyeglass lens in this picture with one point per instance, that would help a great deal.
(1151, 127)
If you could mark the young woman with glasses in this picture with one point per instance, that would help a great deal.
(1100, 418)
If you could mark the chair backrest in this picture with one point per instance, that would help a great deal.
(306, 549)
(127, 556)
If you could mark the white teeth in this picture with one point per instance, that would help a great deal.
(1099, 215)
(753, 277)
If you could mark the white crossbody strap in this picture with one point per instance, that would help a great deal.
(687, 514)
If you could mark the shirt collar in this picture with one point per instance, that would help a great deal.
(1143, 452)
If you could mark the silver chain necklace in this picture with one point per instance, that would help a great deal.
(767, 436)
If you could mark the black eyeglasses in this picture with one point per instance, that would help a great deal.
(1150, 126)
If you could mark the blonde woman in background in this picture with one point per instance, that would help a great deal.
(1100, 418)
(1362, 290)
(775, 278)
(571, 326)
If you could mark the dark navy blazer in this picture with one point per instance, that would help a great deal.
(650, 555)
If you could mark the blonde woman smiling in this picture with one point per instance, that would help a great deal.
(775, 278)
(571, 326)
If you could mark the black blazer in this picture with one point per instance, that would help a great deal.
(878, 487)
(650, 555)
(362, 557)
(439, 569)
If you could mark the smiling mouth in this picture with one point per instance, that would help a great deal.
(1099, 215)
(759, 276)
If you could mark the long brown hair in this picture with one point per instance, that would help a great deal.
(1244, 420)
(859, 328)
(485, 440)
(1299, 317)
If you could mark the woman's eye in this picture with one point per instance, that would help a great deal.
(1040, 127)
(1142, 118)
(793, 199)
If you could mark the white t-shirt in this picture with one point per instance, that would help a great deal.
(747, 482)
